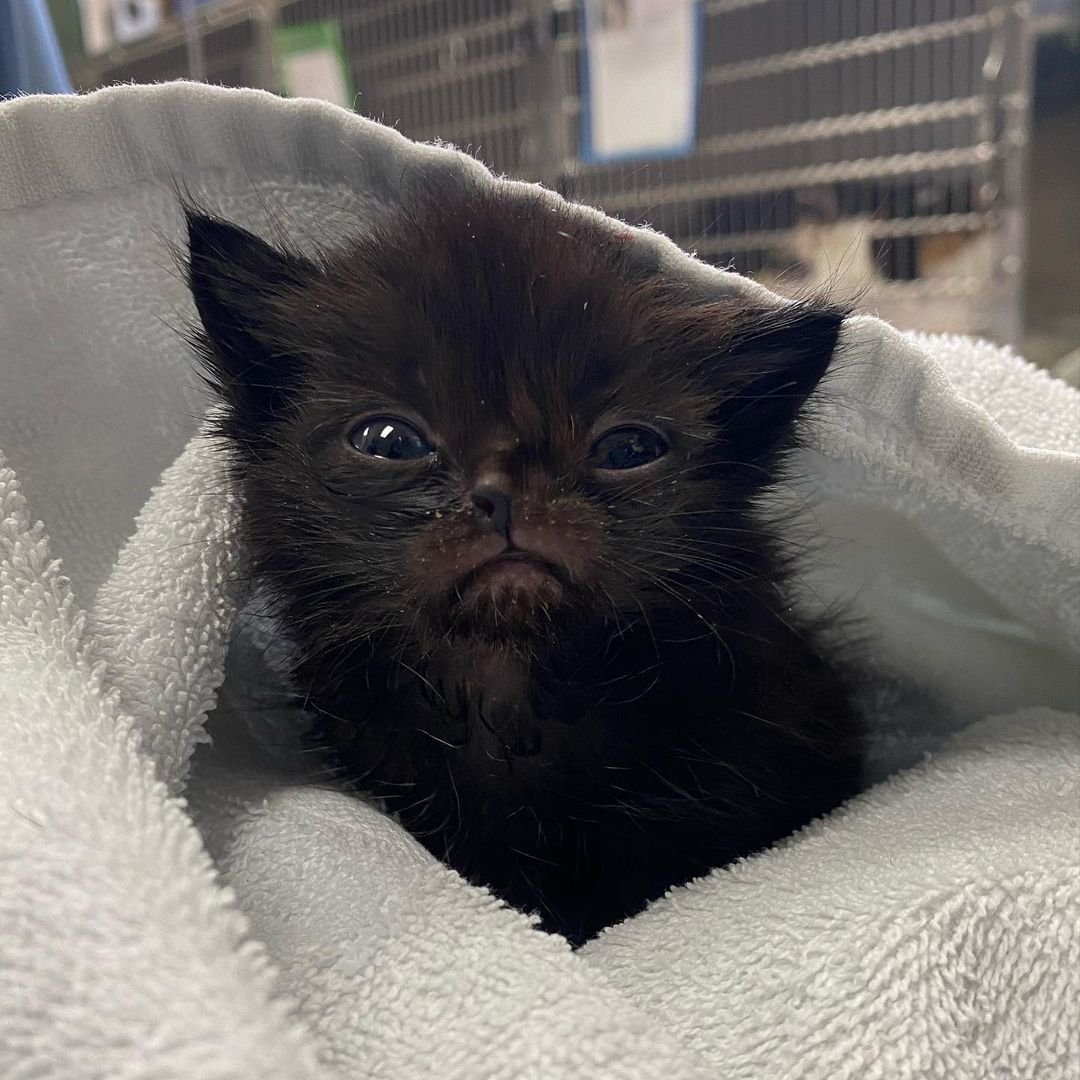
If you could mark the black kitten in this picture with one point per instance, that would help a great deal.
(500, 480)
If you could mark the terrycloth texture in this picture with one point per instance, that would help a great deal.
(920, 908)
(929, 929)
(120, 956)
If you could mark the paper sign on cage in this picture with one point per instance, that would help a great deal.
(640, 71)
(311, 62)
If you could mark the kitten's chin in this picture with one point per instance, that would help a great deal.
(507, 619)
(510, 600)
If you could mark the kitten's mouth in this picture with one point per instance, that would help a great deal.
(514, 574)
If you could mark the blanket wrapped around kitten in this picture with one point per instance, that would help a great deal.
(500, 481)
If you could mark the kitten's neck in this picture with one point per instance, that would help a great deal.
(495, 674)
(512, 723)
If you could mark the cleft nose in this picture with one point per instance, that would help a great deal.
(494, 507)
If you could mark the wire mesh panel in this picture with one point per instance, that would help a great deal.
(453, 70)
(229, 52)
(876, 145)
(226, 44)
(855, 144)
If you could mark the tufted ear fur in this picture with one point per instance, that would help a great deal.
(774, 359)
(243, 290)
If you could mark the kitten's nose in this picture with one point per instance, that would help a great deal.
(494, 507)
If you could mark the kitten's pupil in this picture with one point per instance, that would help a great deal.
(390, 438)
(628, 448)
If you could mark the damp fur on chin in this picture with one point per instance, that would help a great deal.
(500, 479)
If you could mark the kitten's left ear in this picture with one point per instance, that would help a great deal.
(246, 293)
(773, 362)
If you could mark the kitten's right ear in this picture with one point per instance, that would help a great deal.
(243, 290)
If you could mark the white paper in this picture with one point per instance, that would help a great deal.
(642, 65)
(317, 74)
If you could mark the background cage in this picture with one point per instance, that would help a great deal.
(880, 145)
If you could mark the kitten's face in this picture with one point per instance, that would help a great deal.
(512, 471)
(482, 424)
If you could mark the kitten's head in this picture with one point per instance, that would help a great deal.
(484, 422)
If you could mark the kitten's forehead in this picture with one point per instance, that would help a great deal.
(504, 315)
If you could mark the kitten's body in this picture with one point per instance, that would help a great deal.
(577, 680)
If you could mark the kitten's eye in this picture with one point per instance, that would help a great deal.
(628, 448)
(388, 437)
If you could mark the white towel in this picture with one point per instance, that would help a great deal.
(929, 928)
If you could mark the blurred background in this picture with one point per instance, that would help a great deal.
(923, 153)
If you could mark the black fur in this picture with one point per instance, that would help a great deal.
(639, 706)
